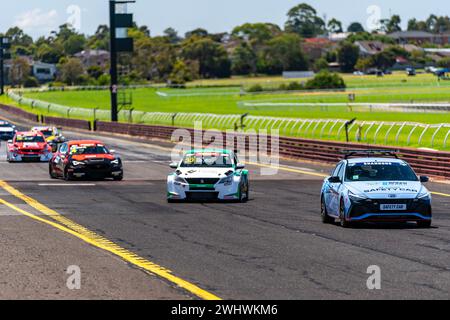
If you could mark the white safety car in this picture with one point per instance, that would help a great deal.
(375, 189)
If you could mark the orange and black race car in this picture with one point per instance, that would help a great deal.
(85, 159)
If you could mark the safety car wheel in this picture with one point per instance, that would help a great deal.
(424, 224)
(344, 223)
(324, 214)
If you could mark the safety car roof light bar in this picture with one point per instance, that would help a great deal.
(370, 153)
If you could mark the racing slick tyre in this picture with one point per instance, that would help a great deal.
(119, 178)
(424, 224)
(67, 176)
(344, 223)
(324, 214)
(247, 194)
(51, 173)
(243, 193)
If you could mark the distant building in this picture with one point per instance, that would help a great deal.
(370, 48)
(338, 37)
(91, 58)
(442, 38)
(297, 74)
(43, 72)
(415, 37)
(315, 48)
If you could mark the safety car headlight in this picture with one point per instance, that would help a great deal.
(423, 196)
(357, 197)
(77, 163)
(115, 162)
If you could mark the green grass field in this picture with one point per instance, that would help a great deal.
(225, 97)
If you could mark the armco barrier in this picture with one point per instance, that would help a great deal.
(69, 123)
(432, 163)
(19, 112)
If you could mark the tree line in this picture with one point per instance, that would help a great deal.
(249, 49)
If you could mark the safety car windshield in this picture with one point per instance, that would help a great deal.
(207, 160)
(379, 171)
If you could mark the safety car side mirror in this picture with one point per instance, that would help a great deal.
(334, 180)
(174, 165)
(424, 179)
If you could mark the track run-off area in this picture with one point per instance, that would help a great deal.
(130, 243)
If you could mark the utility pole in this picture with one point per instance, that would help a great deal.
(119, 42)
(4, 46)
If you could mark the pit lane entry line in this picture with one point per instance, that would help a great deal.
(66, 225)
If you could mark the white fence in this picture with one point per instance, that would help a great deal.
(373, 132)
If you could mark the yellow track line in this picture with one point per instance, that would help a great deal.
(320, 175)
(315, 174)
(94, 239)
(441, 194)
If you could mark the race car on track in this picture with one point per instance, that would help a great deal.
(208, 174)
(7, 130)
(85, 159)
(28, 146)
(377, 187)
(52, 135)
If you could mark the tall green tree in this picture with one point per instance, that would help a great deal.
(334, 26)
(348, 55)
(172, 35)
(211, 56)
(71, 71)
(355, 27)
(154, 58)
(243, 60)
(18, 37)
(19, 71)
(393, 24)
(284, 53)
(100, 40)
(256, 33)
(303, 20)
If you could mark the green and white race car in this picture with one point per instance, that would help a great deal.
(208, 174)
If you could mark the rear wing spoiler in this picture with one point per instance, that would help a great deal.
(370, 153)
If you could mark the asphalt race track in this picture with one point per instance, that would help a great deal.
(273, 247)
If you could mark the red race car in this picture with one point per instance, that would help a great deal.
(28, 146)
(85, 159)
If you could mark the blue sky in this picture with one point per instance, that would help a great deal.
(38, 17)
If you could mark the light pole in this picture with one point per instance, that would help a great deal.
(118, 43)
(4, 46)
